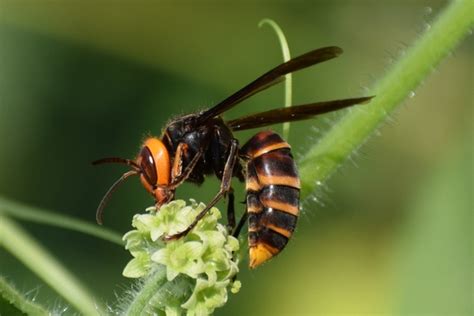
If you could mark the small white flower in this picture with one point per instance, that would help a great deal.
(205, 258)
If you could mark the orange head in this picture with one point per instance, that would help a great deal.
(154, 162)
(154, 167)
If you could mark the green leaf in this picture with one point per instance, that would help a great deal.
(137, 267)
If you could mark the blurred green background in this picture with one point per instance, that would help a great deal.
(390, 233)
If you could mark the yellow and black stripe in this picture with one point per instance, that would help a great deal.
(273, 189)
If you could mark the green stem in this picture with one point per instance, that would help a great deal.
(37, 215)
(18, 302)
(15, 240)
(151, 286)
(353, 129)
(286, 56)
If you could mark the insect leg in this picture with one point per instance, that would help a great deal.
(177, 168)
(178, 176)
(230, 211)
(225, 188)
(241, 224)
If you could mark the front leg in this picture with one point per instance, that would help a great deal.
(224, 189)
(178, 176)
(165, 193)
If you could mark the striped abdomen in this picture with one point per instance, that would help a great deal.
(273, 189)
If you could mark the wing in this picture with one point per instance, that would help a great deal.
(270, 78)
(294, 113)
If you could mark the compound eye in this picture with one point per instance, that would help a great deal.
(147, 165)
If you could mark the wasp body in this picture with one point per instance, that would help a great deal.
(273, 190)
(195, 145)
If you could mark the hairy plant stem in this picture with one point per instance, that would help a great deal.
(16, 241)
(19, 303)
(151, 286)
(353, 129)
